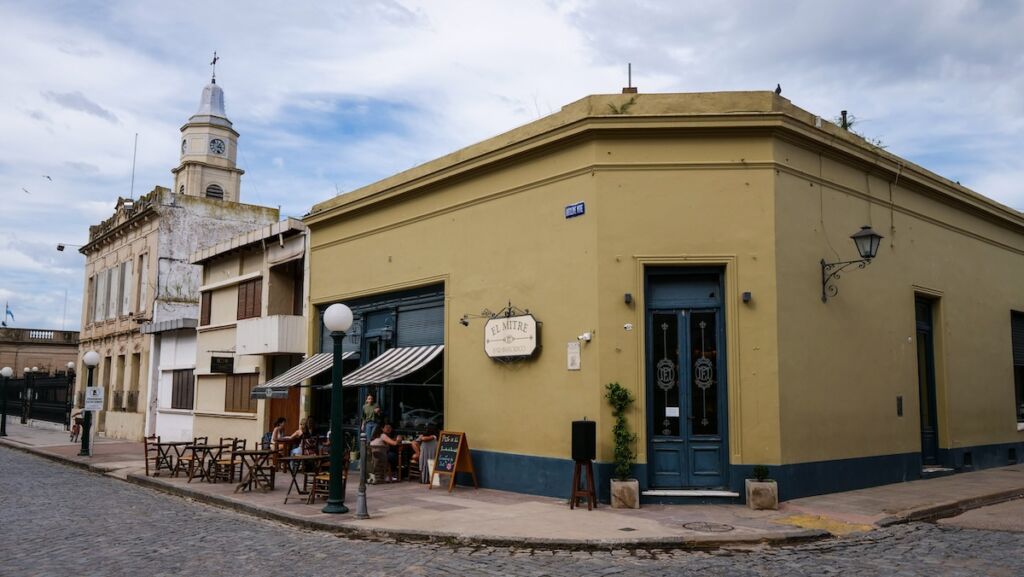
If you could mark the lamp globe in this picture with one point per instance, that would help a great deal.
(91, 358)
(338, 318)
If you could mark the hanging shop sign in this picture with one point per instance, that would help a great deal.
(508, 337)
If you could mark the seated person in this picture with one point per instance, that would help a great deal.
(278, 439)
(429, 435)
(304, 438)
(385, 438)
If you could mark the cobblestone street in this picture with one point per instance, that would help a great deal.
(59, 520)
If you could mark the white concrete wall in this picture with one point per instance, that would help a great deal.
(177, 351)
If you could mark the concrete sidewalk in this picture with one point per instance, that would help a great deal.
(483, 516)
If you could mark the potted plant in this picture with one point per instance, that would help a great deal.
(353, 449)
(625, 489)
(762, 492)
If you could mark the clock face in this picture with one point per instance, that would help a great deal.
(184, 146)
(217, 146)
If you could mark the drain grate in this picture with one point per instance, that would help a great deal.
(705, 527)
(627, 529)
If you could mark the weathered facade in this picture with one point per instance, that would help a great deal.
(138, 274)
(673, 243)
(252, 327)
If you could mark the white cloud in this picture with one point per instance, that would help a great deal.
(332, 96)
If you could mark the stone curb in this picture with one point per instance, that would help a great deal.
(352, 530)
(56, 458)
(950, 508)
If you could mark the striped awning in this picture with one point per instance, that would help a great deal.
(392, 364)
(277, 388)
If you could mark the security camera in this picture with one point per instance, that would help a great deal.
(585, 337)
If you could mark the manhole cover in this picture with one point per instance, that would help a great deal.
(705, 527)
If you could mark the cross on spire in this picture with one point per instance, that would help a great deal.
(213, 64)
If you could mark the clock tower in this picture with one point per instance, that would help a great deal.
(209, 148)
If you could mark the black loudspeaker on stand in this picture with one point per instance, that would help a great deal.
(584, 451)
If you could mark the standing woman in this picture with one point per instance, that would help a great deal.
(371, 416)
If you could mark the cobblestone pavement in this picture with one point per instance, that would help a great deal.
(59, 520)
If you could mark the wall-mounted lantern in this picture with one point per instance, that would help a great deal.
(866, 240)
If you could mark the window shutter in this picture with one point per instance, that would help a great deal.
(102, 295)
(257, 298)
(420, 327)
(126, 286)
(1017, 337)
(143, 291)
(113, 298)
(204, 308)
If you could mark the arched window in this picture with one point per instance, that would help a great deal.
(215, 191)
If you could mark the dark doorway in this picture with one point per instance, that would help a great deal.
(926, 382)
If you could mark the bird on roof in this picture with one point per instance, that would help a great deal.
(47, 177)
(778, 89)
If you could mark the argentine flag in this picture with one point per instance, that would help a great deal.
(8, 312)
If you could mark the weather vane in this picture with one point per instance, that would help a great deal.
(213, 64)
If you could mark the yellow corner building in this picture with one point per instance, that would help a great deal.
(683, 246)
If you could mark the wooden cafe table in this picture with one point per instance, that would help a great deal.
(257, 472)
(203, 454)
(297, 464)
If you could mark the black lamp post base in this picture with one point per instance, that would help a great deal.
(334, 508)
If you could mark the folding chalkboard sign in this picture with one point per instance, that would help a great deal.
(452, 457)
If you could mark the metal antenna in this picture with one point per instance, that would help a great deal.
(213, 64)
(135, 150)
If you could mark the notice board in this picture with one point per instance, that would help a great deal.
(452, 457)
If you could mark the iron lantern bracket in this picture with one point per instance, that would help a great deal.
(830, 273)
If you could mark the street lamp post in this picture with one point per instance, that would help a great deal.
(69, 396)
(6, 373)
(337, 319)
(26, 375)
(91, 359)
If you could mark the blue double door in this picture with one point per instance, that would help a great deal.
(686, 408)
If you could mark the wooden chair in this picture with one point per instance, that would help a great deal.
(414, 468)
(380, 466)
(189, 459)
(223, 467)
(310, 446)
(321, 481)
(153, 457)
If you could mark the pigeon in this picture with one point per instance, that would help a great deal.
(25, 190)
(47, 177)
(778, 89)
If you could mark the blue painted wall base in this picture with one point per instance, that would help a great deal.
(552, 477)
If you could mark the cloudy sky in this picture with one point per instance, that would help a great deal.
(329, 96)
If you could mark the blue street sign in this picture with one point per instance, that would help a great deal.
(573, 210)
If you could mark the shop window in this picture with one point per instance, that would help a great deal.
(182, 389)
(204, 308)
(237, 397)
(249, 299)
(1017, 338)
